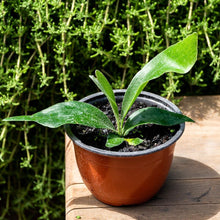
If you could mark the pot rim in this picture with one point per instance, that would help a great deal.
(152, 96)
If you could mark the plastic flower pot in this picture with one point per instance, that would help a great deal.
(125, 178)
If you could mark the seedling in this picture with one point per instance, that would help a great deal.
(178, 58)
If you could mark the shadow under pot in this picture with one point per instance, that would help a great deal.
(125, 178)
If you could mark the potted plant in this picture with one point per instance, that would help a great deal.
(120, 164)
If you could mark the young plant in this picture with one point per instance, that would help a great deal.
(177, 58)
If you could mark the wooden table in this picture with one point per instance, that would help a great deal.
(192, 190)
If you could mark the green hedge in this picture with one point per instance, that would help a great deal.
(47, 50)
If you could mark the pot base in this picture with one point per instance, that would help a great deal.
(124, 181)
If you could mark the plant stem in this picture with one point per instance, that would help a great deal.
(146, 32)
(170, 75)
(205, 30)
(34, 53)
(41, 57)
(7, 204)
(47, 14)
(3, 137)
(128, 45)
(151, 20)
(116, 12)
(86, 14)
(3, 54)
(167, 23)
(12, 153)
(45, 169)
(25, 124)
(216, 58)
(63, 37)
(189, 16)
(26, 143)
(19, 45)
(105, 17)
(71, 13)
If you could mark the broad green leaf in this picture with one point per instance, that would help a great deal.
(177, 58)
(103, 84)
(114, 140)
(134, 141)
(152, 115)
(72, 112)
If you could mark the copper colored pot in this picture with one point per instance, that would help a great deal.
(125, 178)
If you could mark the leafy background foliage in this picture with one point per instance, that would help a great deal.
(47, 50)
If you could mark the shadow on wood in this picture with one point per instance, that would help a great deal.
(200, 107)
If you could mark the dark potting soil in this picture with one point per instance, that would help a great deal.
(153, 135)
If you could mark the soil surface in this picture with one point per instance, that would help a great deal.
(153, 135)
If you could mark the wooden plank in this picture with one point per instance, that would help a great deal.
(186, 168)
(201, 141)
(72, 175)
(185, 212)
(192, 190)
(174, 192)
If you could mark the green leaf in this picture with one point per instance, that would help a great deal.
(178, 58)
(152, 115)
(103, 84)
(134, 141)
(72, 112)
(114, 140)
